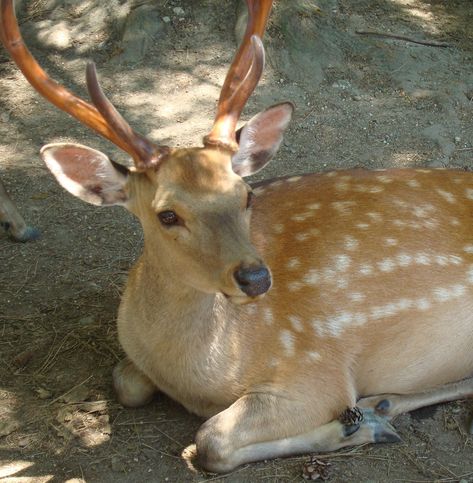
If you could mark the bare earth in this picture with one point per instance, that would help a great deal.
(362, 100)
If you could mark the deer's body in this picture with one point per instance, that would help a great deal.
(349, 285)
(365, 265)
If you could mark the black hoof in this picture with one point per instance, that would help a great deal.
(386, 434)
(383, 406)
(348, 430)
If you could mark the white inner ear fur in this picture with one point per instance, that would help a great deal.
(260, 139)
(86, 173)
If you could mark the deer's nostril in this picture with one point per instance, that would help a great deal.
(253, 280)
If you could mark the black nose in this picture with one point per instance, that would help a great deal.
(254, 280)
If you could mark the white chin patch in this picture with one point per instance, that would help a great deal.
(243, 299)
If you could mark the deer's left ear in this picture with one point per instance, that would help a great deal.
(260, 138)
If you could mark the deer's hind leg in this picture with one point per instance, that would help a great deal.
(262, 426)
(390, 405)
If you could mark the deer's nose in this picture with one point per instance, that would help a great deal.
(253, 280)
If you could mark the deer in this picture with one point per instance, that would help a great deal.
(269, 309)
(12, 221)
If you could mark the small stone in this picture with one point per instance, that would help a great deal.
(79, 394)
(8, 426)
(178, 11)
(117, 464)
(22, 359)
(87, 320)
(43, 393)
(457, 139)
(166, 19)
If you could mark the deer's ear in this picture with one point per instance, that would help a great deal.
(87, 173)
(260, 138)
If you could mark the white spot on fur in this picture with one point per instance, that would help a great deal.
(314, 232)
(296, 323)
(404, 259)
(391, 242)
(342, 283)
(356, 297)
(302, 236)
(366, 269)
(442, 294)
(260, 190)
(300, 217)
(294, 286)
(276, 183)
(469, 275)
(314, 206)
(468, 248)
(313, 356)
(342, 187)
(273, 362)
(423, 170)
(338, 322)
(278, 228)
(293, 179)
(422, 259)
(375, 217)
(312, 277)
(351, 243)
(454, 221)
(413, 183)
(384, 179)
(469, 193)
(331, 174)
(446, 195)
(293, 263)
(288, 342)
(344, 207)
(422, 304)
(387, 265)
(455, 260)
(342, 263)
(362, 226)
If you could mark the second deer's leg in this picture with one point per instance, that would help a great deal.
(133, 388)
(261, 426)
(390, 405)
(12, 221)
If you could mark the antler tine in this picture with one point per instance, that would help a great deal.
(145, 153)
(64, 99)
(242, 77)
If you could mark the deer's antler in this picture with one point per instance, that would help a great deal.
(242, 77)
(102, 118)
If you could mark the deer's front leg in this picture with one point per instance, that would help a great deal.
(261, 426)
(133, 388)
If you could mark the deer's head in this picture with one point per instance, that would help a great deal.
(193, 203)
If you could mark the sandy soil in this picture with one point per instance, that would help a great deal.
(362, 100)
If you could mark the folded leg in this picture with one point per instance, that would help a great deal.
(262, 426)
(390, 405)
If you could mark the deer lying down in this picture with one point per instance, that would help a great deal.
(270, 310)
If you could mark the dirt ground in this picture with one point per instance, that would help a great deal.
(362, 100)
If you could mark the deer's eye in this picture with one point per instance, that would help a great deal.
(249, 200)
(168, 218)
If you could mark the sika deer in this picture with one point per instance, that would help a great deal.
(371, 274)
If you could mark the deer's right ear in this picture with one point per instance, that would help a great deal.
(87, 173)
(260, 138)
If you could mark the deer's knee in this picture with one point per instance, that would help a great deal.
(214, 449)
(133, 388)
